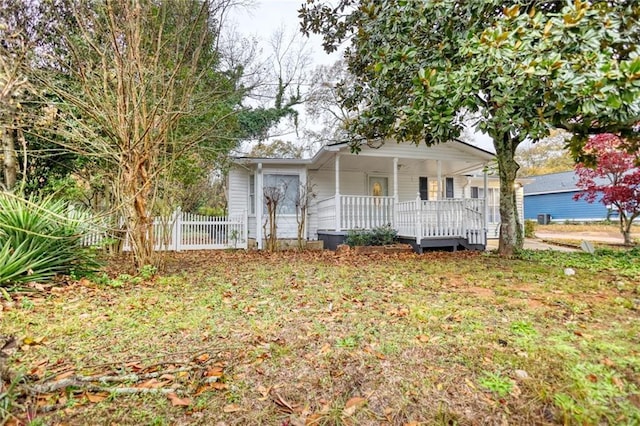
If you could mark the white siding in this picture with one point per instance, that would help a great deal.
(238, 190)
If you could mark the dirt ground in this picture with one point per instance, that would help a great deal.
(604, 233)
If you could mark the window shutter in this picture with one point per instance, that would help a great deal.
(424, 188)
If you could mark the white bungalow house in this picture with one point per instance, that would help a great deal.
(433, 196)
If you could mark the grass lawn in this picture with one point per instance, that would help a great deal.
(319, 338)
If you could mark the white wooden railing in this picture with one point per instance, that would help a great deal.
(453, 218)
(365, 212)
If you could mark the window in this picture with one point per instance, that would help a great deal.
(433, 190)
(474, 192)
(424, 187)
(448, 186)
(252, 194)
(378, 186)
(288, 187)
(493, 202)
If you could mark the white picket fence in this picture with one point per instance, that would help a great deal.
(187, 231)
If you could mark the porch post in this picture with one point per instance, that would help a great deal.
(259, 200)
(439, 167)
(418, 219)
(440, 198)
(338, 206)
(396, 198)
(486, 198)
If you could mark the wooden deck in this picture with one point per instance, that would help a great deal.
(455, 223)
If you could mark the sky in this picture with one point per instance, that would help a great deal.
(267, 16)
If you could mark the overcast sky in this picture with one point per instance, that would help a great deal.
(267, 16)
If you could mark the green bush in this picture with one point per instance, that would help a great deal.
(530, 228)
(40, 239)
(380, 236)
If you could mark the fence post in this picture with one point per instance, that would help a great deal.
(245, 229)
(177, 229)
(418, 219)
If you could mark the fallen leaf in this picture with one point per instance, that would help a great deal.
(176, 401)
(97, 397)
(64, 375)
(135, 366)
(203, 358)
(413, 423)
(353, 404)
(422, 338)
(607, 362)
(313, 419)
(167, 377)
(284, 405)
(618, 382)
(151, 384)
(214, 372)
(231, 408)
(592, 378)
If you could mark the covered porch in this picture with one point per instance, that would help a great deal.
(422, 223)
(425, 195)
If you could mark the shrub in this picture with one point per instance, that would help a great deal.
(530, 228)
(380, 236)
(40, 239)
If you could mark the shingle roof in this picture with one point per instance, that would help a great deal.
(554, 182)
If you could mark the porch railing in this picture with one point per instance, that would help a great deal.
(362, 211)
(453, 218)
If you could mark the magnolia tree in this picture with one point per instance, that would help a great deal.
(613, 175)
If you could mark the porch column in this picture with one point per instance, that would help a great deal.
(440, 197)
(439, 168)
(396, 198)
(338, 206)
(486, 198)
(259, 200)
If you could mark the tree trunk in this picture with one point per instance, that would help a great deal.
(511, 238)
(136, 194)
(10, 164)
(625, 226)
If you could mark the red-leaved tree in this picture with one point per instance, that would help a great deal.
(614, 178)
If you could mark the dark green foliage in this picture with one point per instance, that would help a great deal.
(40, 239)
(380, 236)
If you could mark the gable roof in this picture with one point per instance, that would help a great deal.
(464, 148)
(556, 182)
(553, 182)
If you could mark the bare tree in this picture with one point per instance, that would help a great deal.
(306, 194)
(15, 48)
(141, 90)
(273, 197)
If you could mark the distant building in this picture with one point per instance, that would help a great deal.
(551, 197)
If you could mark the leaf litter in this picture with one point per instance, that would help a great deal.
(316, 338)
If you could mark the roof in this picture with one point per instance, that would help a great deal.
(554, 182)
(336, 147)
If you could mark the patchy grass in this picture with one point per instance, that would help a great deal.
(316, 338)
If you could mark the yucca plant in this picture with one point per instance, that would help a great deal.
(40, 238)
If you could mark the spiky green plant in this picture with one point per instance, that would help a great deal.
(40, 238)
